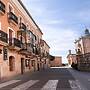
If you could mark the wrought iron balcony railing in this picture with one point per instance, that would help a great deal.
(2, 7)
(31, 48)
(27, 46)
(15, 42)
(25, 49)
(3, 36)
(22, 26)
(13, 17)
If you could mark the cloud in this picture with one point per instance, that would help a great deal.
(60, 25)
(60, 39)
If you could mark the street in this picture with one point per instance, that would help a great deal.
(49, 79)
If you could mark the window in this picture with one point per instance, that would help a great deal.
(11, 34)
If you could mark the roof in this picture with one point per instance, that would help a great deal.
(58, 56)
(46, 43)
(29, 15)
(81, 38)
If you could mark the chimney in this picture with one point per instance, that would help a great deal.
(70, 52)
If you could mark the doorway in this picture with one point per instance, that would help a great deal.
(22, 66)
(11, 63)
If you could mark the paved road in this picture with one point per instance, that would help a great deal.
(50, 79)
(83, 78)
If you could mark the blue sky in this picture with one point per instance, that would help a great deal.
(61, 21)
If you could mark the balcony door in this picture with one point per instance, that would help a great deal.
(10, 36)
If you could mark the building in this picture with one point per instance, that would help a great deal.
(20, 39)
(71, 58)
(45, 55)
(83, 51)
(56, 62)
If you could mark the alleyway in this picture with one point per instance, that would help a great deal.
(50, 79)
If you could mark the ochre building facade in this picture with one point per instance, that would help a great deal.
(83, 51)
(71, 58)
(57, 62)
(21, 43)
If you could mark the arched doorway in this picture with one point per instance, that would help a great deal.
(11, 63)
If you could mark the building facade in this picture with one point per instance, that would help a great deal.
(83, 51)
(20, 39)
(71, 58)
(44, 58)
(57, 62)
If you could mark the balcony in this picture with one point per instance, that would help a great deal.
(26, 49)
(47, 55)
(22, 33)
(22, 30)
(15, 44)
(3, 38)
(37, 51)
(13, 18)
(29, 47)
(22, 26)
(2, 8)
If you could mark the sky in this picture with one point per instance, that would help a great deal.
(61, 21)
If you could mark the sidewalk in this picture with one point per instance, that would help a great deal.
(19, 76)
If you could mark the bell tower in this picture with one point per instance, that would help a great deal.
(87, 32)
